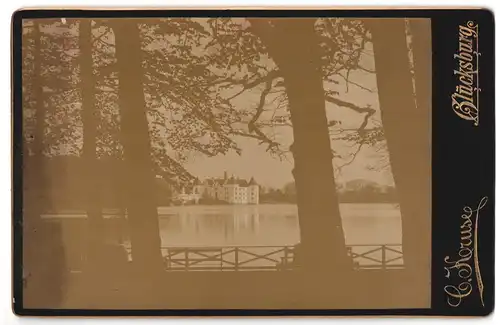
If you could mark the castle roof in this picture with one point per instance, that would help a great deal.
(215, 181)
(230, 181)
(252, 181)
(242, 182)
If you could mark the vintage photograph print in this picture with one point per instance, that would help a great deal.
(211, 162)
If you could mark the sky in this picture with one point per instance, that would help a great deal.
(271, 171)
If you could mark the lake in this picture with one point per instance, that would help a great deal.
(244, 225)
(254, 225)
(271, 225)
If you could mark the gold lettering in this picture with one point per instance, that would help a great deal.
(465, 109)
(467, 262)
(465, 99)
(464, 56)
(466, 65)
(465, 90)
(465, 47)
(455, 294)
(467, 31)
(457, 95)
(466, 80)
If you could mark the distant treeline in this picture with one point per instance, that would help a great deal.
(62, 186)
(368, 196)
(369, 193)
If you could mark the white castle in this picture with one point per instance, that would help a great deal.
(231, 190)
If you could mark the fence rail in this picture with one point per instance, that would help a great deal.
(267, 258)
(257, 258)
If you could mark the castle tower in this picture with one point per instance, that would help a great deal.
(253, 191)
(231, 189)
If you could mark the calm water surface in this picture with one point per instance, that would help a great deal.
(271, 224)
(252, 225)
(244, 225)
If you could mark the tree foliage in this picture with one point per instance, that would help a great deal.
(208, 81)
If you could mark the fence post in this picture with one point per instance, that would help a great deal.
(383, 257)
(221, 258)
(236, 259)
(285, 262)
(186, 259)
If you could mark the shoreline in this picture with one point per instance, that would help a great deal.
(113, 212)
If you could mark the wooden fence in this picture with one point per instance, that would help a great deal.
(271, 258)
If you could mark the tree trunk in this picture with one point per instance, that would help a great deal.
(40, 113)
(420, 30)
(294, 47)
(89, 161)
(141, 205)
(44, 264)
(408, 138)
(34, 164)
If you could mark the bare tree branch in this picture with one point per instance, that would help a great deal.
(368, 110)
(360, 67)
(260, 108)
(254, 132)
(353, 156)
(98, 38)
(348, 81)
(246, 86)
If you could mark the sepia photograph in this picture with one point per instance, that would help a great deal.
(226, 163)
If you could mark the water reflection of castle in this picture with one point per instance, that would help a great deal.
(228, 189)
(217, 225)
